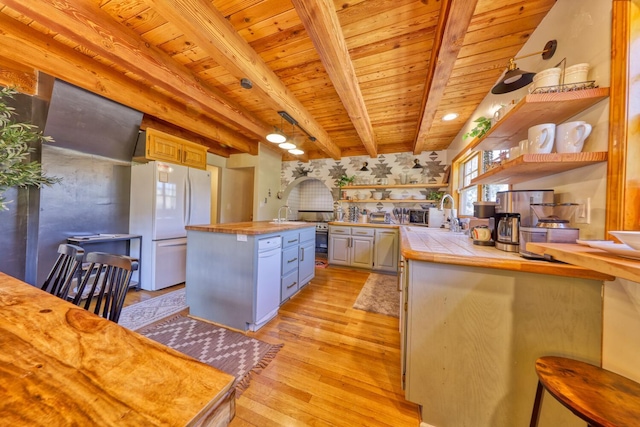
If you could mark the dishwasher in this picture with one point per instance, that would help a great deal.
(268, 283)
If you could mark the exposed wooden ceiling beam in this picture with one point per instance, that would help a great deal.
(200, 21)
(88, 26)
(452, 26)
(321, 22)
(32, 48)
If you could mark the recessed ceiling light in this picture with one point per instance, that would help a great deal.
(449, 117)
(287, 146)
(296, 151)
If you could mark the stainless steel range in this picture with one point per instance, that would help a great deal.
(320, 218)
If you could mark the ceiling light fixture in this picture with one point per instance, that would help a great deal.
(449, 117)
(246, 83)
(296, 151)
(515, 78)
(277, 136)
(287, 146)
(294, 122)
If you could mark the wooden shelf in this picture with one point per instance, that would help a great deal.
(535, 109)
(384, 187)
(533, 166)
(388, 201)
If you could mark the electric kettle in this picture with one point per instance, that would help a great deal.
(508, 232)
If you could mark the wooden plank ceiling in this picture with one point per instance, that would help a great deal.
(363, 77)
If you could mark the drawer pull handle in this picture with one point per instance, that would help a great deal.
(292, 241)
(292, 260)
(292, 285)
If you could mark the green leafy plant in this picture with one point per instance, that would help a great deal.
(15, 150)
(345, 180)
(482, 127)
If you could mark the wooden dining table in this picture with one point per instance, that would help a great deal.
(61, 365)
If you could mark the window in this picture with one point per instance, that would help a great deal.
(470, 168)
(468, 192)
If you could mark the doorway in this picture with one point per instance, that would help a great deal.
(237, 195)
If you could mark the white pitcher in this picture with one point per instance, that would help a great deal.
(541, 138)
(570, 136)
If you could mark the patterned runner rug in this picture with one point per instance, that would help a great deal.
(147, 312)
(379, 295)
(229, 351)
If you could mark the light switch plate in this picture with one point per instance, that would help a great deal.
(583, 213)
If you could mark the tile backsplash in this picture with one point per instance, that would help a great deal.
(317, 194)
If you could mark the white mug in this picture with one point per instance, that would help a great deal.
(570, 136)
(524, 146)
(541, 138)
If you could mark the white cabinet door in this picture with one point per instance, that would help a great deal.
(307, 265)
(362, 252)
(339, 249)
(386, 250)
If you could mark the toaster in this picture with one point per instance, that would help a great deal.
(379, 217)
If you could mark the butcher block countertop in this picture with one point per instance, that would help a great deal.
(363, 224)
(63, 365)
(585, 256)
(443, 246)
(250, 227)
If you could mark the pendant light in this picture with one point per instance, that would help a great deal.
(287, 146)
(296, 152)
(277, 136)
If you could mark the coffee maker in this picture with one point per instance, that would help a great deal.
(518, 203)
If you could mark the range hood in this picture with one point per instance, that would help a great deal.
(83, 121)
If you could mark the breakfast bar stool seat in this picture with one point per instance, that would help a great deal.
(60, 278)
(597, 396)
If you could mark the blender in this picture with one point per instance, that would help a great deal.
(553, 226)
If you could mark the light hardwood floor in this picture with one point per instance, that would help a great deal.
(339, 366)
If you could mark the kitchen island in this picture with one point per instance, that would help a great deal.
(238, 274)
(475, 320)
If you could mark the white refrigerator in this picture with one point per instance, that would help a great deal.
(164, 199)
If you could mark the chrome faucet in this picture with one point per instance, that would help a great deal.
(453, 204)
(287, 210)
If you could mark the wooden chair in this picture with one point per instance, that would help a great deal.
(597, 396)
(105, 284)
(59, 280)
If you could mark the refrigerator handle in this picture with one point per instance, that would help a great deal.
(187, 202)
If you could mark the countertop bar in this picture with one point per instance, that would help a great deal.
(252, 228)
(63, 365)
(585, 256)
(363, 224)
(442, 246)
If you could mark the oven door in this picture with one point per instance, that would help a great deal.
(419, 217)
(322, 242)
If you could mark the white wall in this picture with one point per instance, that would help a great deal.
(583, 32)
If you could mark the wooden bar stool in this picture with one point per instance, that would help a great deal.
(597, 396)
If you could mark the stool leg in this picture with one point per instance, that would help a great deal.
(536, 406)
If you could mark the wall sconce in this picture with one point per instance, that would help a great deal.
(417, 164)
(515, 78)
(364, 167)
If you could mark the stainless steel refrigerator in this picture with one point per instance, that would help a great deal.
(164, 199)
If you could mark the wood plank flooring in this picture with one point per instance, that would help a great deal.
(339, 366)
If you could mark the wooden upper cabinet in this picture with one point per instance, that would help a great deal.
(169, 148)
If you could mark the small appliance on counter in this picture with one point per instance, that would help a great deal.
(379, 217)
(519, 201)
(418, 217)
(553, 226)
(507, 233)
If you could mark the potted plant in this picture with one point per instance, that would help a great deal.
(482, 127)
(342, 181)
(15, 138)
